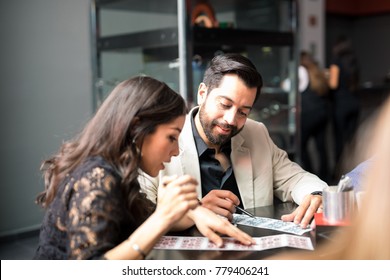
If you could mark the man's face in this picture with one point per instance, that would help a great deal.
(224, 111)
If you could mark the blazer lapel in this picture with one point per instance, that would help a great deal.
(242, 166)
(188, 153)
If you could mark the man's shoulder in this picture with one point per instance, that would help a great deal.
(252, 134)
(252, 126)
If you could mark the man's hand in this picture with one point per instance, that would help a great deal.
(305, 212)
(221, 202)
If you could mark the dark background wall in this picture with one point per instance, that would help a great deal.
(45, 89)
(370, 37)
(367, 24)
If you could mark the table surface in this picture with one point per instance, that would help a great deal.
(273, 211)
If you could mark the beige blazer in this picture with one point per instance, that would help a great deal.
(262, 170)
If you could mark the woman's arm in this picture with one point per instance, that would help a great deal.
(142, 240)
(334, 72)
(175, 198)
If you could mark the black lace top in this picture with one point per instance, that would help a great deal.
(87, 217)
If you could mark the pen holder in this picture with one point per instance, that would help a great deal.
(338, 207)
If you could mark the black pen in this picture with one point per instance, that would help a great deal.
(245, 212)
(237, 207)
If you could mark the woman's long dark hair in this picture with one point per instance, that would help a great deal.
(131, 111)
(318, 82)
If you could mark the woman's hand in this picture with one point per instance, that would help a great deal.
(176, 196)
(209, 224)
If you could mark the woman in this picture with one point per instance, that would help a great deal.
(314, 116)
(343, 81)
(313, 86)
(94, 207)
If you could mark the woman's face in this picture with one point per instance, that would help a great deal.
(160, 146)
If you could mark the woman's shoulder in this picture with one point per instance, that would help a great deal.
(93, 180)
(93, 163)
(95, 172)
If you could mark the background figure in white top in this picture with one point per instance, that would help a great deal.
(312, 85)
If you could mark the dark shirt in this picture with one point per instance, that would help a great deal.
(211, 172)
(87, 217)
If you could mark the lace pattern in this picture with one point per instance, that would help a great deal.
(87, 217)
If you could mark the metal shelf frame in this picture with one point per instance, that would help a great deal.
(186, 40)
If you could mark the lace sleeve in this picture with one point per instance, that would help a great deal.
(95, 213)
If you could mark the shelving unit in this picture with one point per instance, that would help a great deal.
(157, 38)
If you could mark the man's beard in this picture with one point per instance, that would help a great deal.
(208, 126)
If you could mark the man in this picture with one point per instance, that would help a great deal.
(233, 157)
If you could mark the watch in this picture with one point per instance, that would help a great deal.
(317, 193)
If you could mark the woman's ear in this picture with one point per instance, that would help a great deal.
(134, 127)
(202, 93)
(134, 123)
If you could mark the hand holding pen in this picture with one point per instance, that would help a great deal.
(223, 203)
(243, 211)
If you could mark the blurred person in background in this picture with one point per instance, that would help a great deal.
(343, 82)
(314, 116)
